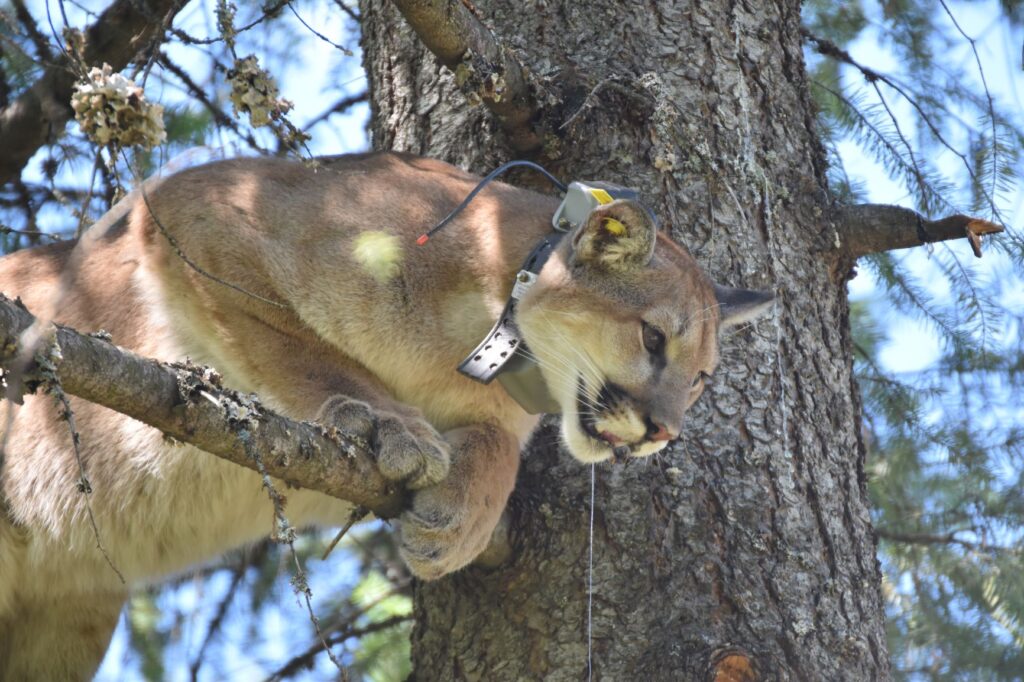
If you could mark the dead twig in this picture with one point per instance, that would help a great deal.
(45, 361)
(358, 514)
(285, 534)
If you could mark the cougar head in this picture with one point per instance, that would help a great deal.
(624, 325)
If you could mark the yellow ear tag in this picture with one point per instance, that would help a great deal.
(602, 196)
(614, 227)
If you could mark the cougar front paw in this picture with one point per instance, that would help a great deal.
(407, 449)
(440, 534)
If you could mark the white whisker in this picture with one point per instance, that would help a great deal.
(588, 367)
(588, 363)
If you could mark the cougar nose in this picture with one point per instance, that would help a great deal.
(656, 431)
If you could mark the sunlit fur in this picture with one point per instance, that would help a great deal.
(367, 315)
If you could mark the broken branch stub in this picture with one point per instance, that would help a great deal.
(873, 228)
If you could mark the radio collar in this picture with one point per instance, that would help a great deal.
(503, 354)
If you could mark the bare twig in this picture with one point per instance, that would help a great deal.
(352, 14)
(31, 234)
(285, 534)
(304, 660)
(46, 359)
(357, 515)
(83, 215)
(338, 107)
(988, 94)
(219, 115)
(317, 33)
(269, 12)
(587, 101)
(949, 538)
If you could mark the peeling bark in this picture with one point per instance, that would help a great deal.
(747, 550)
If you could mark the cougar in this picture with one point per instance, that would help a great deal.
(622, 323)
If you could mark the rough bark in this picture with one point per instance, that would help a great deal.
(187, 403)
(746, 552)
(40, 113)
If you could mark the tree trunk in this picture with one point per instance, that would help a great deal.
(746, 552)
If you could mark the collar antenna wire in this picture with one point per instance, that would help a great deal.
(422, 239)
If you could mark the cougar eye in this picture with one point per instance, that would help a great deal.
(654, 340)
(700, 379)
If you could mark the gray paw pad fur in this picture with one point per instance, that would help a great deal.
(408, 449)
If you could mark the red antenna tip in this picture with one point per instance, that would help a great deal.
(422, 239)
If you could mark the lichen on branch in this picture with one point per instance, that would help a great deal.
(485, 70)
(188, 404)
(113, 111)
(254, 93)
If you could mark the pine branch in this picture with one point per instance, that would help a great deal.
(873, 228)
(188, 404)
(949, 538)
(483, 67)
(829, 49)
(40, 114)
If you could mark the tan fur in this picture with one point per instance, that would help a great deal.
(369, 338)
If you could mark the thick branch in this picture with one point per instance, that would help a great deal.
(41, 112)
(483, 68)
(188, 404)
(873, 228)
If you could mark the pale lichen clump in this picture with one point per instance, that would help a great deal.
(479, 81)
(254, 92)
(112, 110)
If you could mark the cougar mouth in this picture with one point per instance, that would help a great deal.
(587, 418)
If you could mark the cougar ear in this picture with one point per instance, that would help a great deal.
(617, 235)
(736, 306)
